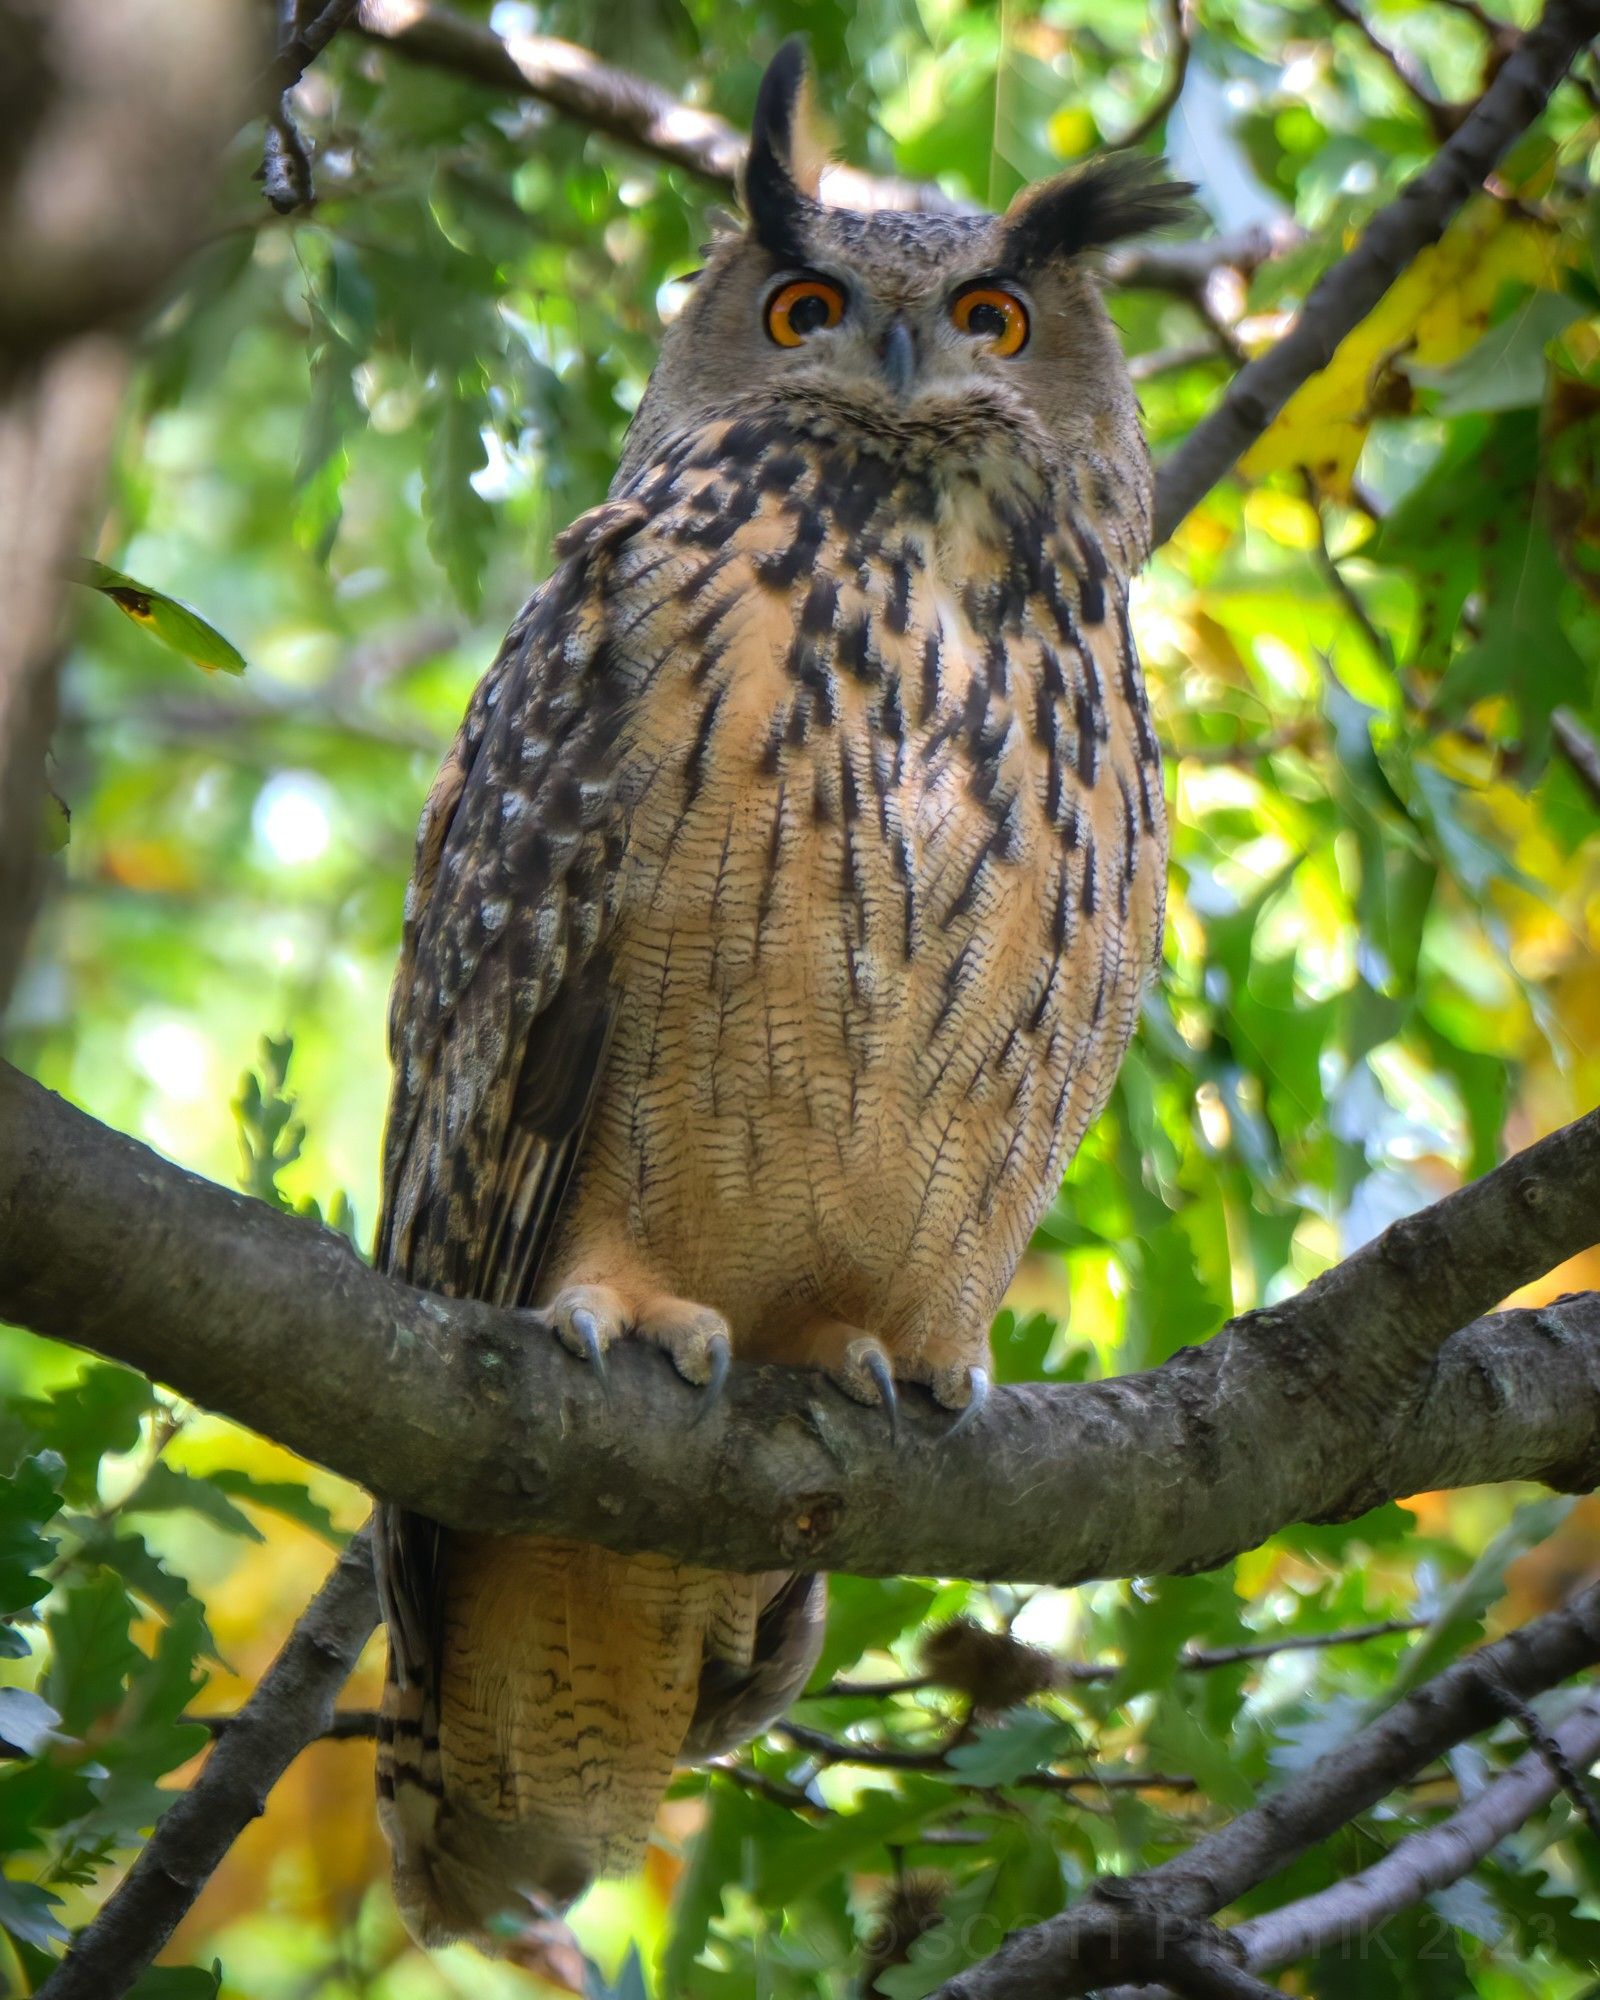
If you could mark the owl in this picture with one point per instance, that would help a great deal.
(779, 922)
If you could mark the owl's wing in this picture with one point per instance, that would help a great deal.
(738, 1702)
(500, 1012)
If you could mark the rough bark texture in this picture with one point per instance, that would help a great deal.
(1352, 1393)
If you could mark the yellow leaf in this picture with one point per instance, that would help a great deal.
(1432, 314)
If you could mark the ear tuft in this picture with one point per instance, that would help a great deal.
(785, 163)
(1100, 202)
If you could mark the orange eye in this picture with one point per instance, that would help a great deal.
(989, 314)
(801, 308)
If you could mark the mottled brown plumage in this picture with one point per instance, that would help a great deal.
(779, 923)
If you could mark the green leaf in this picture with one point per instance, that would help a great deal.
(178, 1982)
(459, 520)
(866, 1614)
(1459, 1618)
(164, 1488)
(179, 627)
(101, 1412)
(1027, 1741)
(93, 1654)
(282, 1496)
(1506, 369)
(29, 1498)
(27, 1723)
(28, 1913)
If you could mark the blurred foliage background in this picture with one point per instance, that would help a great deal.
(355, 433)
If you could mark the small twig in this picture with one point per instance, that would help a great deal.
(303, 45)
(886, 1757)
(1503, 34)
(1580, 748)
(1334, 577)
(1549, 1747)
(1186, 354)
(1200, 1660)
(1444, 118)
(1154, 115)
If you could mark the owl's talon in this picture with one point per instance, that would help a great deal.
(876, 1364)
(977, 1399)
(720, 1350)
(587, 1329)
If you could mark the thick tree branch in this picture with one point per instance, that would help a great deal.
(292, 1705)
(1123, 1927)
(1344, 296)
(109, 114)
(1351, 1394)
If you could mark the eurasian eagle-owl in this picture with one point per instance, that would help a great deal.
(779, 922)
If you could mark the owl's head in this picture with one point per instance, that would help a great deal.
(912, 326)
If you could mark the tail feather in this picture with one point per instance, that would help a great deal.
(531, 1754)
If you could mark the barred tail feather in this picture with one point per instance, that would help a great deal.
(532, 1753)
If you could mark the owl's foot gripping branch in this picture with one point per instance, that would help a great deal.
(1380, 1379)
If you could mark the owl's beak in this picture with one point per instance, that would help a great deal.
(897, 356)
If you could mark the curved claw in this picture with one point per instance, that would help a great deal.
(587, 1328)
(977, 1397)
(876, 1364)
(716, 1381)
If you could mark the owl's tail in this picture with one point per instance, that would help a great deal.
(531, 1754)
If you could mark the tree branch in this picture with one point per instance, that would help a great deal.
(1123, 1927)
(1175, 13)
(1351, 1394)
(111, 114)
(1580, 749)
(292, 1704)
(1346, 293)
(1422, 1862)
(1442, 117)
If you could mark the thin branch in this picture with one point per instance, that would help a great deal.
(301, 48)
(1101, 1938)
(1351, 1393)
(1425, 1861)
(1347, 292)
(1442, 117)
(1555, 1755)
(1154, 116)
(292, 1705)
(1193, 1660)
(892, 1757)
(1581, 750)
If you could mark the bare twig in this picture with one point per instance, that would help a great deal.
(1444, 118)
(1555, 1755)
(1175, 13)
(1347, 292)
(292, 1705)
(892, 1757)
(1580, 748)
(1195, 1660)
(301, 47)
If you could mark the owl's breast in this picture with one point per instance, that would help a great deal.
(893, 862)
